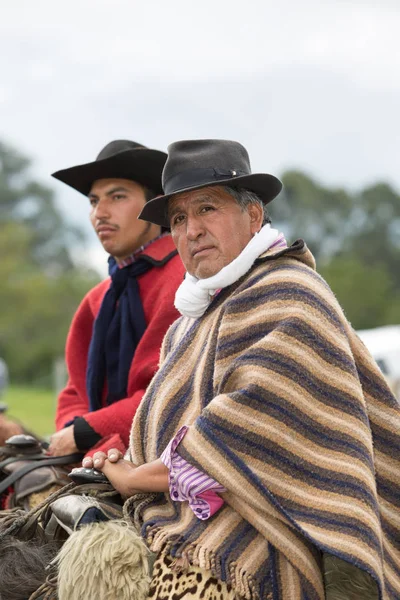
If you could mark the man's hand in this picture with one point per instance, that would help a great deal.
(126, 477)
(63, 442)
(118, 471)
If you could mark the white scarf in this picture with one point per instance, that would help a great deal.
(194, 295)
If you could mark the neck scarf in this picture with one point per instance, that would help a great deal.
(116, 333)
(194, 295)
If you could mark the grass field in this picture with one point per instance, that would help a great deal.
(33, 407)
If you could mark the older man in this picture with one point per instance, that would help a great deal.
(268, 428)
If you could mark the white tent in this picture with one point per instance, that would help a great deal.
(384, 345)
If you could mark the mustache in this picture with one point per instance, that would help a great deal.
(103, 223)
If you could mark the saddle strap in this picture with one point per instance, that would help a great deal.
(58, 460)
(21, 457)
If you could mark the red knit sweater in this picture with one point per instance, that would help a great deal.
(157, 289)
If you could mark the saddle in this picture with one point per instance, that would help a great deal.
(27, 471)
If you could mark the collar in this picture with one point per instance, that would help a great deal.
(148, 249)
(157, 252)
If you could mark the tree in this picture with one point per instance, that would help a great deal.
(25, 201)
(375, 235)
(366, 293)
(355, 237)
(41, 286)
(318, 214)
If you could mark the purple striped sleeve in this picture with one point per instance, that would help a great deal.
(188, 484)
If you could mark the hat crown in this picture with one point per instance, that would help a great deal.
(194, 157)
(117, 146)
(119, 159)
(195, 164)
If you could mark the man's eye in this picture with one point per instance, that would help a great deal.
(177, 219)
(92, 201)
(118, 196)
(206, 208)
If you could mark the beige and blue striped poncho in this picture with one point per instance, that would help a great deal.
(289, 412)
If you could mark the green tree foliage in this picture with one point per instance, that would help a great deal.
(355, 238)
(363, 291)
(41, 287)
(376, 222)
(315, 213)
(25, 201)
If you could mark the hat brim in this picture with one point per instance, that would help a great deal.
(142, 165)
(266, 186)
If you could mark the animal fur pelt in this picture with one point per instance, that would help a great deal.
(103, 560)
(22, 567)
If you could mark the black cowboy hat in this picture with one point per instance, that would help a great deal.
(121, 159)
(195, 164)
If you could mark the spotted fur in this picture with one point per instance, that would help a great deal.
(193, 583)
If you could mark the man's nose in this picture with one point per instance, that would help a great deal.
(194, 227)
(102, 209)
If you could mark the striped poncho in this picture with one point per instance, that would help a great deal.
(288, 411)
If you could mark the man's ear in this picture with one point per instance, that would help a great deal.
(256, 213)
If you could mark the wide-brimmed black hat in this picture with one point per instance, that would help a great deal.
(195, 164)
(121, 159)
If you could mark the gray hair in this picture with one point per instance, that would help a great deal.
(245, 197)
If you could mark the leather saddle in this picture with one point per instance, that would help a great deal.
(25, 469)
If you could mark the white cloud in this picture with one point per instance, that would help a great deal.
(177, 40)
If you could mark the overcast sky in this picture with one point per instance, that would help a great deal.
(310, 85)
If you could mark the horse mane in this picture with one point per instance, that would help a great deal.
(22, 567)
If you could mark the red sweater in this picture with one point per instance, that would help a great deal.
(157, 289)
